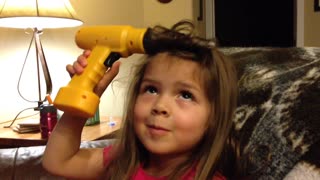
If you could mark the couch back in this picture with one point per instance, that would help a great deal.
(278, 113)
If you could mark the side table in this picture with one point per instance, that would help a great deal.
(105, 129)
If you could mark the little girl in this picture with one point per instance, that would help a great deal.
(177, 119)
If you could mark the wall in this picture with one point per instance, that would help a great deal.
(60, 50)
(167, 14)
(311, 25)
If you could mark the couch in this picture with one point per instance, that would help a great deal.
(277, 119)
(278, 114)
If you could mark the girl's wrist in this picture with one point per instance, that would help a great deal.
(73, 119)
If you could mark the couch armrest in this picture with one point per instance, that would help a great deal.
(7, 157)
(25, 162)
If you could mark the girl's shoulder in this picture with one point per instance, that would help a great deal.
(192, 173)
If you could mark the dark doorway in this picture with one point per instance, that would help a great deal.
(255, 23)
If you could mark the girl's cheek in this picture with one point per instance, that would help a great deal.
(143, 102)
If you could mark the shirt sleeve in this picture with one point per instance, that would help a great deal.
(218, 176)
(106, 158)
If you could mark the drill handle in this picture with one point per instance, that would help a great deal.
(94, 71)
(78, 96)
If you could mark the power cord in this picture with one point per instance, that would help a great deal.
(15, 118)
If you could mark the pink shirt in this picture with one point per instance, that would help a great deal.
(141, 174)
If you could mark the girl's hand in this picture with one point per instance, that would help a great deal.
(80, 64)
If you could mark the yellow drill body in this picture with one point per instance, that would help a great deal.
(78, 97)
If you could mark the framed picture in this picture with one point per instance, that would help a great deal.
(316, 5)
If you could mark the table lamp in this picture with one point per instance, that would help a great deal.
(38, 15)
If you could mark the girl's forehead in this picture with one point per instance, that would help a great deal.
(169, 61)
(163, 63)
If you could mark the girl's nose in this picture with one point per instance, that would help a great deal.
(160, 107)
(157, 111)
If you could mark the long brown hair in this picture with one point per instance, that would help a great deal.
(221, 90)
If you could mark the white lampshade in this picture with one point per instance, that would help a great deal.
(37, 14)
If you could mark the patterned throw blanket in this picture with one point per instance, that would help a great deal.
(278, 114)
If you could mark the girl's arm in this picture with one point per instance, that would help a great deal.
(62, 155)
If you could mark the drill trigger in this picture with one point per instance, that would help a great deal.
(113, 57)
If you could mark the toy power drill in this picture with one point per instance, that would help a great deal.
(107, 44)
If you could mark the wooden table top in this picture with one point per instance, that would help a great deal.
(10, 138)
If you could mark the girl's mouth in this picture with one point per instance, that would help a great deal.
(157, 130)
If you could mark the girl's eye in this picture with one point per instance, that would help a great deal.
(186, 95)
(150, 89)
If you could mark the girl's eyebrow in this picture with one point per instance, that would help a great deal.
(148, 80)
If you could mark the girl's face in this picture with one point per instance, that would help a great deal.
(171, 109)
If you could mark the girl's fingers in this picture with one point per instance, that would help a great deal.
(82, 60)
(70, 70)
(78, 68)
(107, 78)
(79, 64)
(86, 53)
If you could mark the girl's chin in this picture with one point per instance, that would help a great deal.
(157, 148)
